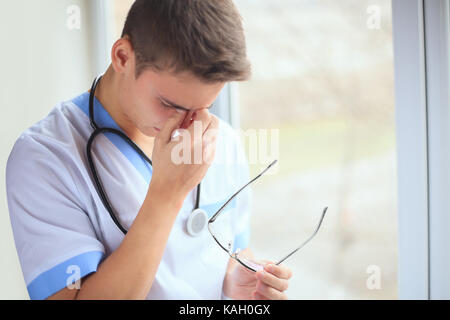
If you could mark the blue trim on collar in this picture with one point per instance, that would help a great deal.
(242, 240)
(103, 119)
(213, 207)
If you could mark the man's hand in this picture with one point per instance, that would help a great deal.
(269, 283)
(177, 173)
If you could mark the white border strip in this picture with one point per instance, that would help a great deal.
(412, 154)
(437, 46)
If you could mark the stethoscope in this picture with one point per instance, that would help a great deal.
(198, 218)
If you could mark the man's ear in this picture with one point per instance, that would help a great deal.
(122, 55)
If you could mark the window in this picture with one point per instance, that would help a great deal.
(323, 78)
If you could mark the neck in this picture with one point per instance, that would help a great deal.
(106, 93)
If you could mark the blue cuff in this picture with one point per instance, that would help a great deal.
(55, 279)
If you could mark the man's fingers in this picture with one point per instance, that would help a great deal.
(211, 133)
(269, 292)
(257, 296)
(171, 124)
(204, 131)
(213, 123)
(279, 271)
(273, 281)
(187, 120)
(202, 119)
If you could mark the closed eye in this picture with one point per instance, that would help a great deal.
(168, 105)
(165, 105)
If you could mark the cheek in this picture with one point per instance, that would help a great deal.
(153, 115)
(146, 111)
(158, 114)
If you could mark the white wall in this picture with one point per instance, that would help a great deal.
(42, 63)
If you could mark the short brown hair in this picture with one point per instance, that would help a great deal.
(205, 37)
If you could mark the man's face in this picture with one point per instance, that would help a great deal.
(148, 101)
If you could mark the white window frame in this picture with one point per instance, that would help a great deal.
(437, 44)
(421, 55)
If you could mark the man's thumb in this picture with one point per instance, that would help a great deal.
(174, 122)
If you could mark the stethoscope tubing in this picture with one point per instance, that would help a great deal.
(97, 181)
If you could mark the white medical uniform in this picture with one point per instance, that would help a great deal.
(63, 232)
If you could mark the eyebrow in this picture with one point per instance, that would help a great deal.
(174, 105)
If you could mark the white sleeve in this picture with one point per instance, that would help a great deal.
(55, 240)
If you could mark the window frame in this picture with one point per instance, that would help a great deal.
(437, 48)
(422, 103)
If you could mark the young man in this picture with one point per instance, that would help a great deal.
(173, 59)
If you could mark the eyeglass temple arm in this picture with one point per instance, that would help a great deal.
(214, 217)
(304, 243)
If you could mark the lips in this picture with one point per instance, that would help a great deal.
(157, 129)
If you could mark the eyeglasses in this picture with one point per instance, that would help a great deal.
(228, 248)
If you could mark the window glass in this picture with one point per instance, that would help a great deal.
(323, 79)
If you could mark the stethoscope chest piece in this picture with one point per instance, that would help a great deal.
(196, 222)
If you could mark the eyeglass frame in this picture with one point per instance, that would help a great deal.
(235, 255)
